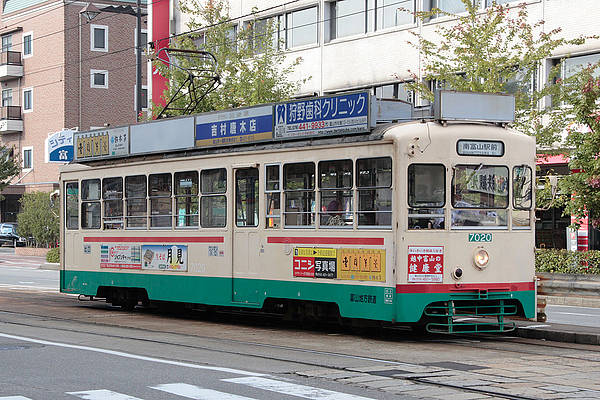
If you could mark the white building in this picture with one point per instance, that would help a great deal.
(357, 44)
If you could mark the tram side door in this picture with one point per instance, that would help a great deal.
(245, 235)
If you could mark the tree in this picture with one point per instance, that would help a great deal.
(582, 186)
(39, 218)
(9, 167)
(496, 50)
(250, 62)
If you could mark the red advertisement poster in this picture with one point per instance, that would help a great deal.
(426, 264)
(304, 267)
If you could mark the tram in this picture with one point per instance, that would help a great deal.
(293, 208)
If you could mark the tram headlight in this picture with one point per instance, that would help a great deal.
(481, 258)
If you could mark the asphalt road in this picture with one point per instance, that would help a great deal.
(24, 272)
(570, 315)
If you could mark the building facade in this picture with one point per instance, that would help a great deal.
(60, 70)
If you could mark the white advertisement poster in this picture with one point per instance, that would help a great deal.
(171, 257)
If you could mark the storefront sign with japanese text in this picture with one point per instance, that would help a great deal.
(234, 127)
(361, 264)
(315, 263)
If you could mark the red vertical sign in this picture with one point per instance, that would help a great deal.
(160, 37)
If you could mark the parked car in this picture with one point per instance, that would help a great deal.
(9, 236)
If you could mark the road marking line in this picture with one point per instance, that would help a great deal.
(15, 398)
(572, 313)
(196, 392)
(293, 389)
(26, 282)
(102, 395)
(535, 326)
(133, 356)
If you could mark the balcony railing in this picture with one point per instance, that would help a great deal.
(10, 112)
(10, 58)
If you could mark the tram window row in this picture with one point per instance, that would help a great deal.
(349, 194)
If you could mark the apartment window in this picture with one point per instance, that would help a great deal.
(27, 44)
(99, 79)
(348, 17)
(394, 13)
(90, 204)
(489, 3)
(6, 43)
(160, 200)
(27, 157)
(573, 65)
(135, 201)
(301, 27)
(449, 6)
(27, 100)
(99, 38)
(6, 97)
(143, 40)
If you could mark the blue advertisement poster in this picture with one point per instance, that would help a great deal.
(234, 127)
(323, 116)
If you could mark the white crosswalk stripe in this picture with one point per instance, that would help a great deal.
(196, 392)
(293, 389)
(14, 398)
(102, 395)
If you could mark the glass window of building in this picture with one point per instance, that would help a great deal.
(394, 13)
(449, 6)
(27, 44)
(301, 27)
(348, 17)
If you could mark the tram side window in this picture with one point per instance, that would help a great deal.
(90, 204)
(186, 199)
(480, 196)
(273, 195)
(522, 197)
(135, 200)
(299, 190)
(72, 205)
(374, 182)
(213, 205)
(159, 192)
(335, 184)
(426, 196)
(112, 197)
(246, 197)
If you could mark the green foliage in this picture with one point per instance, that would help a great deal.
(583, 139)
(495, 50)
(53, 256)
(39, 218)
(9, 167)
(251, 66)
(567, 262)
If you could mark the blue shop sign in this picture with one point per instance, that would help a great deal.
(59, 146)
(234, 127)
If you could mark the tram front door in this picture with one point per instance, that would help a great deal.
(245, 236)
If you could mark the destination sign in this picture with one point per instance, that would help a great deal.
(323, 116)
(480, 148)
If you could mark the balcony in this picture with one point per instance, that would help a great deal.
(11, 66)
(10, 119)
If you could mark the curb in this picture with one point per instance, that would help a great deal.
(557, 335)
(52, 266)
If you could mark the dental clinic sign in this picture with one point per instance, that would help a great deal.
(59, 147)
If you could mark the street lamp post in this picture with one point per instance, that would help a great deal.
(90, 12)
